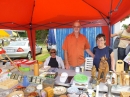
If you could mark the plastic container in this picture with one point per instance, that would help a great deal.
(25, 69)
(49, 82)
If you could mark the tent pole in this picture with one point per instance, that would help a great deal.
(31, 36)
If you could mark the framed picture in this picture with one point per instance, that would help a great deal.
(16, 76)
(38, 80)
(12, 76)
(30, 78)
(34, 79)
(19, 78)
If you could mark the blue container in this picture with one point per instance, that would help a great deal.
(25, 81)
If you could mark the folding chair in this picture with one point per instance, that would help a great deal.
(88, 63)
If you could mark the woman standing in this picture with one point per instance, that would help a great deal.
(102, 50)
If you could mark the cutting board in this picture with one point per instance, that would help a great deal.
(119, 66)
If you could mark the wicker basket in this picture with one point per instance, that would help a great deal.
(125, 94)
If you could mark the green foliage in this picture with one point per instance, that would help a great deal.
(44, 55)
(41, 35)
(22, 34)
(124, 26)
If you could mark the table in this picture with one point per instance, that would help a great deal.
(102, 86)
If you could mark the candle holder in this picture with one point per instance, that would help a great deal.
(110, 73)
(109, 84)
(109, 94)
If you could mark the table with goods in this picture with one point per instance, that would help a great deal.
(54, 82)
(29, 78)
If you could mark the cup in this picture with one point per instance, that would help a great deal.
(82, 68)
(77, 69)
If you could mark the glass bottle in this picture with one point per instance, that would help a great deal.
(36, 69)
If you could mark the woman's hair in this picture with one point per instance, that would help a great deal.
(52, 50)
(100, 35)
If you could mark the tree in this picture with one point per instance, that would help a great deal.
(41, 35)
(124, 26)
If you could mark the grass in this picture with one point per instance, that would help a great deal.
(44, 54)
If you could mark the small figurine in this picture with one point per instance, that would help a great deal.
(93, 71)
(118, 79)
(103, 68)
(122, 78)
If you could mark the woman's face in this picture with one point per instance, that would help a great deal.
(53, 53)
(101, 42)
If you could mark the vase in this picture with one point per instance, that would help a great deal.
(25, 81)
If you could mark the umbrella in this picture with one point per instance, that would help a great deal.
(12, 33)
(3, 34)
(51, 37)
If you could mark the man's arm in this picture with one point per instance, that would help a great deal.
(112, 61)
(113, 35)
(90, 53)
(67, 66)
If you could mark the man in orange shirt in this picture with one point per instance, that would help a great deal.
(74, 46)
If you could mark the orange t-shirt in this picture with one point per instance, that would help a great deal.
(75, 48)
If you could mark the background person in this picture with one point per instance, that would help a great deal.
(102, 50)
(54, 61)
(47, 45)
(74, 46)
(124, 42)
(3, 42)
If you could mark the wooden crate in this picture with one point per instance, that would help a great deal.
(125, 94)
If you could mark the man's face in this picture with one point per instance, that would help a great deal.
(76, 27)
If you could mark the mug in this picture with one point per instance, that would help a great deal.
(77, 69)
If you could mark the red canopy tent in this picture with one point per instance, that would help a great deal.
(34, 15)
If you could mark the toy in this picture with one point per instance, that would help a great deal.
(93, 71)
